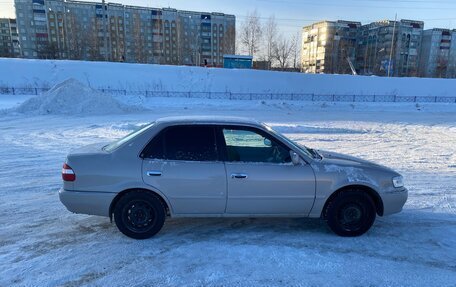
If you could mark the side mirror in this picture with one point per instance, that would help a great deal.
(295, 159)
(267, 142)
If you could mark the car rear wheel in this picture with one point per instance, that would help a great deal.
(351, 213)
(139, 215)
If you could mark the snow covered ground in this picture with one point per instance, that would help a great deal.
(42, 244)
(20, 73)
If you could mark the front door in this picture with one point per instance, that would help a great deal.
(261, 177)
(183, 163)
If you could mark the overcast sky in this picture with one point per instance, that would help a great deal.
(291, 15)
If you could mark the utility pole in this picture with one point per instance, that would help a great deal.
(105, 28)
(392, 46)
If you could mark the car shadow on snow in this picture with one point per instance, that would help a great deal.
(212, 228)
(411, 224)
(411, 237)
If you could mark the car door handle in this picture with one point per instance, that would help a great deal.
(154, 173)
(239, 175)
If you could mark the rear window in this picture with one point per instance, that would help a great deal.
(114, 145)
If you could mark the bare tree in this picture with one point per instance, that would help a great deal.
(6, 51)
(157, 28)
(271, 34)
(93, 40)
(229, 41)
(251, 33)
(75, 39)
(48, 51)
(282, 51)
(183, 49)
(295, 51)
(442, 67)
(138, 37)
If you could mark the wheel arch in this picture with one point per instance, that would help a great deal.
(123, 192)
(370, 191)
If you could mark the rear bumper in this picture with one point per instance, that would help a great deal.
(393, 201)
(87, 202)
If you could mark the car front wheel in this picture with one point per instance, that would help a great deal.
(351, 213)
(139, 215)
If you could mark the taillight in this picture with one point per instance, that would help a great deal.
(68, 173)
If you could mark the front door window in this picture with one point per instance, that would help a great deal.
(250, 146)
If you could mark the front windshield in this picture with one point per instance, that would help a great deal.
(308, 151)
(114, 145)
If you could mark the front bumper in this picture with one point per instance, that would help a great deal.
(87, 202)
(393, 201)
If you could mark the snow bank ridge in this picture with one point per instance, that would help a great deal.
(72, 97)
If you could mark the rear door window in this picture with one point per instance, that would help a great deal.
(186, 143)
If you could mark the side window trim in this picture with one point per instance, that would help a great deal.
(221, 145)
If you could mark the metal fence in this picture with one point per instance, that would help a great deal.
(252, 96)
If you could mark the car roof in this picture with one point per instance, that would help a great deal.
(219, 120)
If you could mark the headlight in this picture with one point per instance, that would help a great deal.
(398, 181)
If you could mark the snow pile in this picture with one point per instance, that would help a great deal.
(25, 73)
(72, 97)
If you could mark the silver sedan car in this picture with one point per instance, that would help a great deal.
(224, 167)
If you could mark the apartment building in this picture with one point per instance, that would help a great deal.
(381, 41)
(116, 32)
(9, 39)
(380, 48)
(329, 47)
(438, 53)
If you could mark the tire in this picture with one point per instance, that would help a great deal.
(139, 214)
(351, 213)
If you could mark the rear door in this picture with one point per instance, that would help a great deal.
(183, 163)
(261, 177)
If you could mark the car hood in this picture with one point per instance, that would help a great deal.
(347, 160)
